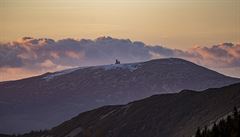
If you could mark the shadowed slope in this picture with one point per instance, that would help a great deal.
(168, 115)
(47, 100)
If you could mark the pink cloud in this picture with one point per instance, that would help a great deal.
(221, 55)
(35, 56)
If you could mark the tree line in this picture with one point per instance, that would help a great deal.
(229, 127)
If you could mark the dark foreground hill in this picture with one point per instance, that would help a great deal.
(166, 115)
(47, 100)
(228, 126)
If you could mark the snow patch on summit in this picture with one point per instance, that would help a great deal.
(130, 67)
(59, 73)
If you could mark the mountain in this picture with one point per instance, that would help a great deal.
(47, 100)
(165, 115)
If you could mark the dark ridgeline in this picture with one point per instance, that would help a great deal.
(166, 115)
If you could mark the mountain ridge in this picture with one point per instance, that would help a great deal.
(99, 66)
(169, 115)
(230, 93)
(64, 95)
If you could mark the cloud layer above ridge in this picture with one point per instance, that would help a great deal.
(30, 56)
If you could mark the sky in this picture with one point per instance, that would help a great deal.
(174, 23)
(50, 35)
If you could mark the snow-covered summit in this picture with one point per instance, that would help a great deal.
(130, 66)
(166, 65)
(59, 73)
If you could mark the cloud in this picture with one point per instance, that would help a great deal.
(35, 56)
(224, 55)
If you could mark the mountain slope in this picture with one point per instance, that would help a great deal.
(166, 115)
(47, 100)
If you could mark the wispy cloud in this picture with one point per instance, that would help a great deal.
(34, 56)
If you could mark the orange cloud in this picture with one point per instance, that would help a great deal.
(75, 55)
(16, 73)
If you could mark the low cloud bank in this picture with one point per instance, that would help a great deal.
(30, 56)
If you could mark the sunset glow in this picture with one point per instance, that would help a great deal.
(119, 68)
(169, 22)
